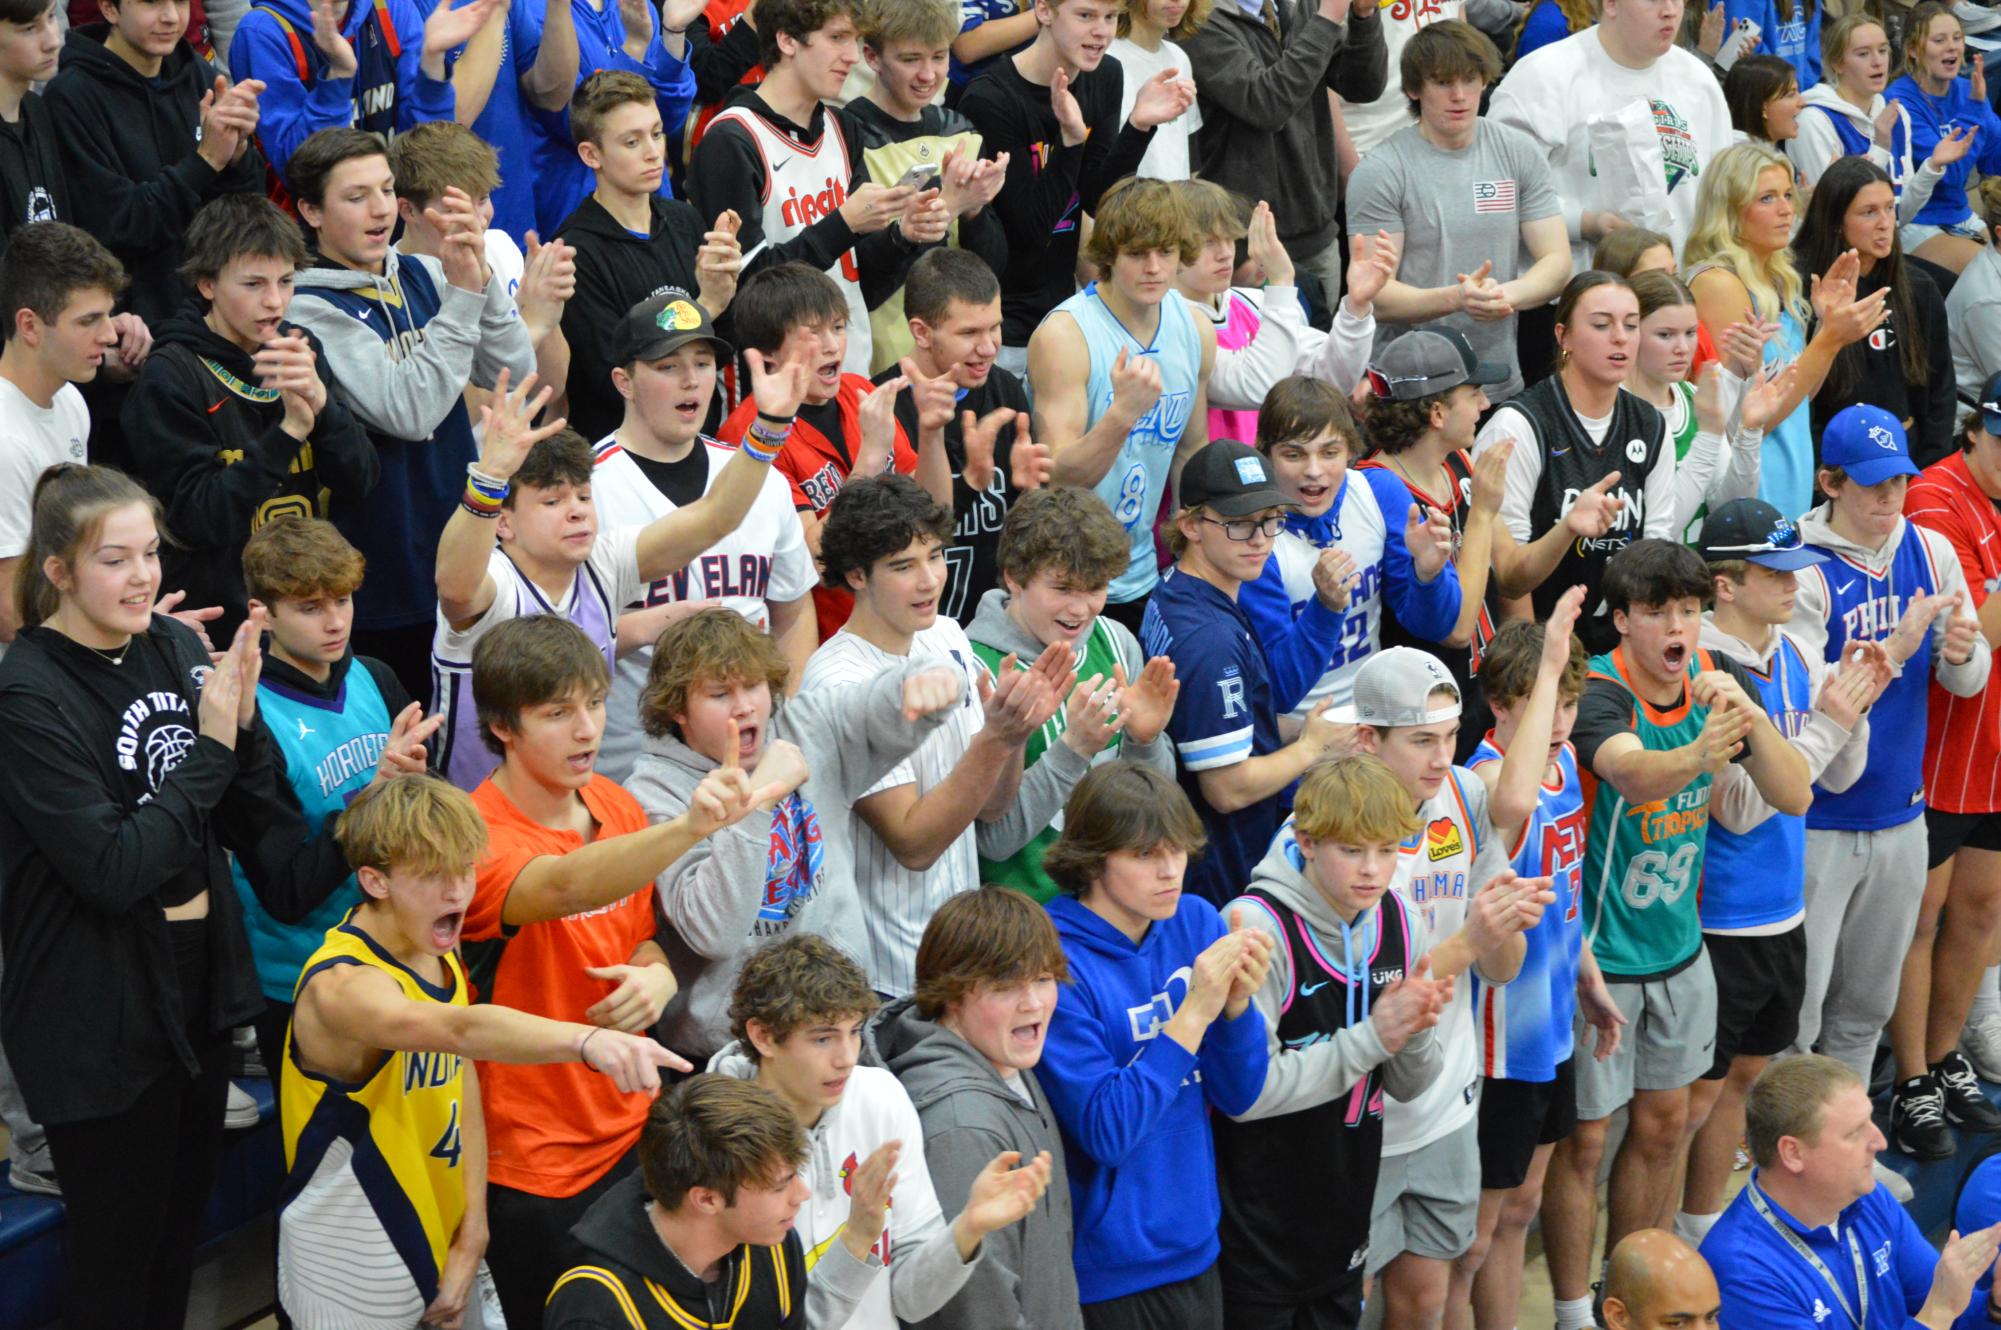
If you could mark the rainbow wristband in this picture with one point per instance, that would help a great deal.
(479, 502)
(491, 487)
(763, 444)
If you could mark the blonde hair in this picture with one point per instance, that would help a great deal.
(1835, 36)
(1354, 800)
(1196, 15)
(1989, 201)
(1789, 1098)
(1728, 185)
(1214, 212)
(1137, 215)
(418, 823)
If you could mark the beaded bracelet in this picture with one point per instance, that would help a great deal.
(764, 444)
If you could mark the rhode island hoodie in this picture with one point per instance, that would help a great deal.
(1024, 1280)
(760, 878)
(1134, 1106)
(917, 1246)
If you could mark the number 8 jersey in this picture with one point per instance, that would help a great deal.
(1643, 862)
(373, 1189)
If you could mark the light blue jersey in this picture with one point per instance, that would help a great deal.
(1525, 1026)
(330, 747)
(1136, 484)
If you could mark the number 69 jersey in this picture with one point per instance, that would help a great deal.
(373, 1190)
(1643, 862)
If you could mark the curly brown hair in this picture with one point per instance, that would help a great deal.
(1066, 529)
(789, 984)
(711, 646)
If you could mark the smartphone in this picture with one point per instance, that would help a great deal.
(1742, 35)
(921, 176)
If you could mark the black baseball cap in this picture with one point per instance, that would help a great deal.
(1990, 405)
(1756, 532)
(1232, 479)
(1429, 361)
(662, 324)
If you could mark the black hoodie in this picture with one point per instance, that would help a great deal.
(761, 1288)
(1872, 371)
(33, 187)
(220, 464)
(129, 149)
(616, 269)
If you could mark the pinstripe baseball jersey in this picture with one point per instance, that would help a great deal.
(896, 901)
(1963, 748)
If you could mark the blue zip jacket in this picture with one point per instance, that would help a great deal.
(381, 96)
(1133, 1106)
(1765, 1283)
(1932, 118)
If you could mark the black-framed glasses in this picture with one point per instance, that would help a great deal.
(1245, 528)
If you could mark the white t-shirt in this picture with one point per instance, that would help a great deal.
(31, 441)
(1167, 156)
(507, 261)
(607, 580)
(897, 902)
(763, 561)
(1455, 852)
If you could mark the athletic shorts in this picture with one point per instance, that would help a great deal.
(1518, 1116)
(1946, 834)
(1760, 983)
(1914, 234)
(1427, 1201)
(1668, 1041)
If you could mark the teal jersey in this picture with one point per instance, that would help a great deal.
(1022, 870)
(330, 748)
(1643, 862)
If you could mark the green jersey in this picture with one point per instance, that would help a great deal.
(1643, 862)
(1022, 870)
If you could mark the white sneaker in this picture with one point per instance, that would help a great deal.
(1894, 1182)
(37, 1182)
(241, 1111)
(1981, 1042)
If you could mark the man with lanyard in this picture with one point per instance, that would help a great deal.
(1812, 1243)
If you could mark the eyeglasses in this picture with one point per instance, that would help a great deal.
(1784, 536)
(1245, 529)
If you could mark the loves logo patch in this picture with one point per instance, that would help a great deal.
(1442, 840)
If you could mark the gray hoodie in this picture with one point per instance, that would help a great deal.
(1024, 1280)
(1304, 1077)
(714, 902)
(407, 392)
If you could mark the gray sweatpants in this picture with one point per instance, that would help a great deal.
(1863, 892)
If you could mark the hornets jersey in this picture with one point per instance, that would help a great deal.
(373, 1190)
(1525, 1026)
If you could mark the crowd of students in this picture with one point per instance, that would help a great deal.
(1081, 665)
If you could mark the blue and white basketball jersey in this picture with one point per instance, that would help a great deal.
(1525, 1026)
(1136, 484)
(1754, 880)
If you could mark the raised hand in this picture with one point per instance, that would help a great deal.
(1709, 399)
(195, 619)
(287, 363)
(1003, 1194)
(1592, 513)
(927, 221)
(1029, 463)
(1966, 1257)
(548, 280)
(1372, 262)
(931, 691)
(718, 263)
(453, 24)
(1911, 630)
(636, 17)
(781, 769)
(632, 1061)
(1069, 115)
(1253, 965)
(876, 421)
(1722, 737)
(1961, 630)
(1214, 976)
(1161, 99)
(1709, 37)
(1556, 632)
(228, 117)
(249, 661)
(1742, 346)
(1482, 297)
(1091, 719)
(642, 992)
(1759, 408)
(870, 1189)
(1953, 145)
(1409, 1006)
(1266, 250)
(404, 754)
(1427, 534)
(221, 699)
(1335, 577)
(1836, 287)
(724, 797)
(873, 206)
(462, 250)
(777, 389)
(329, 42)
(1978, 79)
(1147, 702)
(506, 431)
(1136, 385)
(1490, 477)
(970, 183)
(935, 398)
(1885, 126)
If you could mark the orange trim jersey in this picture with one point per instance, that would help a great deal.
(552, 1130)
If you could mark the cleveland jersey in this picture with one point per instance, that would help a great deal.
(804, 182)
(1525, 1025)
(374, 1189)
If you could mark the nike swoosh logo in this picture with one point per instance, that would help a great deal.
(1846, 587)
(1559, 452)
(780, 165)
(1308, 990)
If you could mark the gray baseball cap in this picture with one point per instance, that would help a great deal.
(1394, 687)
(1429, 361)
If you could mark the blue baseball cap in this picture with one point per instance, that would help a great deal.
(1868, 444)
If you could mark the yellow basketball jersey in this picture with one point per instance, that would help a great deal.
(373, 1192)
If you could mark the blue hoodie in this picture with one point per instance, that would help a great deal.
(1134, 1107)
(1979, 1205)
(1795, 41)
(1765, 1283)
(1932, 118)
(388, 92)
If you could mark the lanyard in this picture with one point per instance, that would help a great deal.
(1785, 1231)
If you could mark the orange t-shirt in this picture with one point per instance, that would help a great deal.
(553, 1130)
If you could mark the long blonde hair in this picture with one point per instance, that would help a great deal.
(1729, 183)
